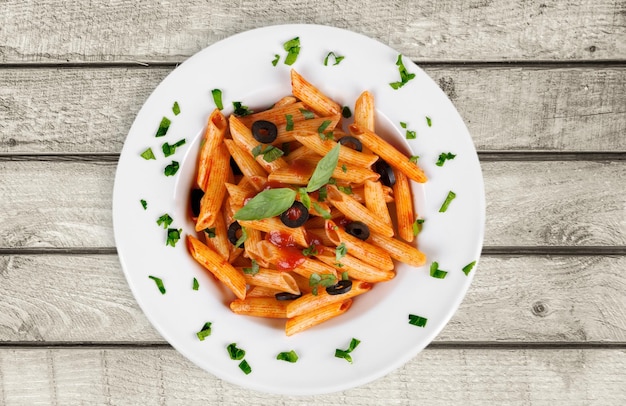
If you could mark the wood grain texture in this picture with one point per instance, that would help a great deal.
(68, 204)
(522, 109)
(434, 377)
(529, 299)
(475, 30)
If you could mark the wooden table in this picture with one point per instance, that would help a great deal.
(542, 88)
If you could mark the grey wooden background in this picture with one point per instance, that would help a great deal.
(542, 87)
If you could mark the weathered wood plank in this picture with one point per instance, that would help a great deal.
(58, 31)
(574, 203)
(434, 377)
(534, 299)
(527, 109)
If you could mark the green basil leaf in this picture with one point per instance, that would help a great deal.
(268, 203)
(324, 170)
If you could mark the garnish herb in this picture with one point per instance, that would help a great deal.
(435, 272)
(245, 367)
(324, 169)
(337, 58)
(323, 193)
(344, 168)
(163, 127)
(345, 276)
(173, 235)
(268, 203)
(327, 136)
(171, 169)
(210, 232)
(205, 331)
(345, 354)
(324, 213)
(289, 119)
(144, 204)
(429, 122)
(148, 154)
(242, 239)
(443, 157)
(304, 198)
(345, 112)
(165, 220)
(310, 250)
(417, 320)
(196, 285)
(241, 110)
(417, 226)
(270, 153)
(341, 251)
(345, 189)
(293, 49)
(323, 126)
(159, 283)
(446, 203)
(414, 158)
(289, 356)
(410, 135)
(275, 60)
(253, 270)
(171, 149)
(217, 98)
(468, 268)
(325, 280)
(402, 124)
(308, 115)
(234, 352)
(405, 76)
(176, 108)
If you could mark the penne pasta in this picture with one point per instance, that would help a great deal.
(274, 225)
(374, 197)
(260, 307)
(269, 278)
(217, 239)
(310, 302)
(211, 202)
(277, 115)
(305, 321)
(213, 137)
(243, 137)
(364, 111)
(248, 165)
(355, 211)
(312, 96)
(314, 124)
(404, 207)
(347, 155)
(372, 254)
(356, 268)
(399, 250)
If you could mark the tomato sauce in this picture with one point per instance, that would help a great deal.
(290, 255)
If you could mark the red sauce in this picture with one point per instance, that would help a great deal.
(290, 258)
(280, 239)
(343, 221)
(293, 213)
(302, 168)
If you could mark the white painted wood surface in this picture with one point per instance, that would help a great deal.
(544, 321)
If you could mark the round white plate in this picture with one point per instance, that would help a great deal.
(241, 66)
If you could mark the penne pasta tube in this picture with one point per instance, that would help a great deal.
(404, 207)
(217, 238)
(244, 139)
(274, 225)
(364, 111)
(320, 221)
(302, 282)
(305, 321)
(277, 115)
(213, 136)
(261, 291)
(300, 153)
(374, 197)
(310, 266)
(251, 248)
(269, 278)
(260, 307)
(312, 96)
(218, 266)
(211, 202)
(387, 152)
(284, 135)
(319, 234)
(358, 193)
(310, 302)
(356, 268)
(355, 211)
(347, 155)
(399, 250)
(248, 165)
(370, 253)
(285, 101)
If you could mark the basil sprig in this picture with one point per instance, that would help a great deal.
(268, 203)
(324, 170)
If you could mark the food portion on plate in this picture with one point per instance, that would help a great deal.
(292, 213)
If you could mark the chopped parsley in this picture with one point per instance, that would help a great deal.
(144, 204)
(468, 268)
(289, 119)
(242, 239)
(253, 270)
(417, 320)
(345, 354)
(210, 232)
(176, 108)
(446, 203)
(323, 126)
(173, 235)
(414, 158)
(341, 251)
(159, 283)
(165, 220)
(325, 280)
(443, 157)
(321, 211)
(308, 115)
(410, 134)
(195, 285)
(289, 356)
(275, 60)
(322, 193)
(405, 76)
(241, 110)
(417, 226)
(335, 57)
(345, 276)
(171, 169)
(163, 127)
(148, 154)
(270, 153)
(344, 168)
(293, 50)
(304, 198)
(245, 367)
(170, 149)
(205, 331)
(345, 189)
(435, 272)
(345, 112)
(234, 352)
(429, 122)
(217, 98)
(310, 250)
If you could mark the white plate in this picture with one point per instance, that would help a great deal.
(241, 66)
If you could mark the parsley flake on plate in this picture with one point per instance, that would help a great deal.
(195, 285)
(144, 204)
(417, 320)
(163, 127)
(173, 236)
(165, 220)
(176, 108)
(337, 58)
(405, 76)
(148, 154)
(437, 273)
(289, 356)
(468, 268)
(446, 203)
(170, 149)
(345, 354)
(293, 50)
(245, 367)
(234, 352)
(205, 331)
(159, 283)
(171, 169)
(443, 157)
(217, 98)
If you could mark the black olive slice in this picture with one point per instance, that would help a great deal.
(264, 131)
(350, 140)
(386, 173)
(358, 229)
(233, 229)
(195, 198)
(295, 216)
(235, 167)
(339, 288)
(287, 296)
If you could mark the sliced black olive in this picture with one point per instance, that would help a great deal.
(233, 229)
(386, 173)
(287, 296)
(235, 167)
(295, 216)
(358, 229)
(195, 198)
(350, 140)
(264, 131)
(339, 288)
